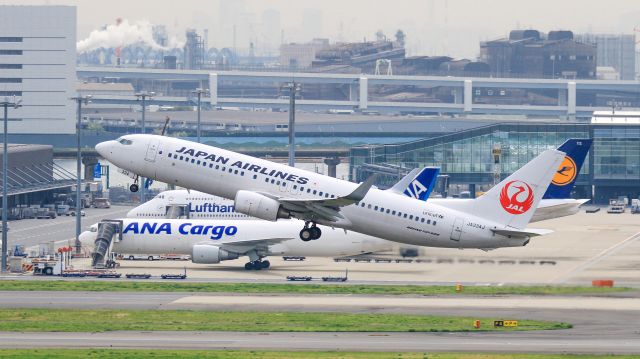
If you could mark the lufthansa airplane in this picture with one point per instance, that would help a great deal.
(555, 203)
(214, 241)
(271, 191)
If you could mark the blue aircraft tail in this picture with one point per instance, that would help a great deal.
(565, 178)
(422, 185)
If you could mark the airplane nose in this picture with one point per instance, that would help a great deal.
(103, 148)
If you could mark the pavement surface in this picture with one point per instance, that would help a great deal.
(602, 324)
(62, 229)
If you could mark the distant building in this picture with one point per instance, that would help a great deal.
(362, 55)
(301, 55)
(529, 53)
(38, 65)
(107, 89)
(617, 51)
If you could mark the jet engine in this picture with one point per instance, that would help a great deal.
(208, 254)
(259, 206)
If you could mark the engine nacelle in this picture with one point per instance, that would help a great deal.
(208, 254)
(259, 206)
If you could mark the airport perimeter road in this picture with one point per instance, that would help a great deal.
(602, 324)
(32, 232)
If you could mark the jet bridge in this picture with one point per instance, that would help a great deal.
(107, 229)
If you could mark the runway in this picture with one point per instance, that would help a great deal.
(602, 324)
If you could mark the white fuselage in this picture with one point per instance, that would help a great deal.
(176, 236)
(382, 214)
(203, 205)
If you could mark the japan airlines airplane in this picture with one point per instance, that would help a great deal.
(213, 241)
(555, 203)
(271, 191)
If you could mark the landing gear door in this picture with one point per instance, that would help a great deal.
(152, 151)
(456, 232)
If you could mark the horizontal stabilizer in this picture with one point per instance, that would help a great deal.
(525, 233)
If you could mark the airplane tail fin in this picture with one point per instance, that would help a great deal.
(422, 185)
(513, 201)
(565, 178)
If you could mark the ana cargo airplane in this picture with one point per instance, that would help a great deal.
(214, 241)
(271, 191)
(556, 202)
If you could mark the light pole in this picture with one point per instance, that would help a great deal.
(79, 100)
(5, 158)
(143, 96)
(199, 92)
(293, 90)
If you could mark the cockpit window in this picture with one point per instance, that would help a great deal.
(124, 141)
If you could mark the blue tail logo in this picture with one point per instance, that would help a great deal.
(563, 182)
(421, 186)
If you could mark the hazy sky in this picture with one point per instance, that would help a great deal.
(432, 26)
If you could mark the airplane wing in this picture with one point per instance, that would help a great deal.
(323, 209)
(244, 246)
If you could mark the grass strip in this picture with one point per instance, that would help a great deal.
(72, 320)
(299, 288)
(232, 354)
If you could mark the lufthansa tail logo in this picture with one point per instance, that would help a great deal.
(566, 173)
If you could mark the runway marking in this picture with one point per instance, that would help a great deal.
(281, 301)
(596, 259)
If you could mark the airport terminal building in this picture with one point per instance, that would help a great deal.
(611, 169)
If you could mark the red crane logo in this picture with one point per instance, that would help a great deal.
(516, 197)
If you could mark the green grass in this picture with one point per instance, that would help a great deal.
(71, 320)
(300, 288)
(229, 354)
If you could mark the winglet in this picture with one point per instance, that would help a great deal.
(402, 185)
(358, 194)
(422, 186)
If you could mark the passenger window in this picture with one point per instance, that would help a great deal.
(369, 206)
(434, 223)
(404, 215)
(254, 176)
(411, 216)
(375, 208)
(393, 213)
(422, 220)
(388, 210)
(428, 221)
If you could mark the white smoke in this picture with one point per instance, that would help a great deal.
(123, 34)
